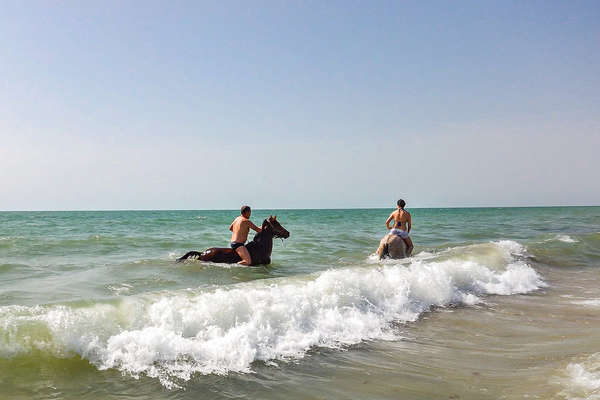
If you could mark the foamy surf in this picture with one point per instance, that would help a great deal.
(172, 335)
(582, 379)
(566, 239)
(561, 238)
(588, 302)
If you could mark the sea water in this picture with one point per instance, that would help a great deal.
(495, 303)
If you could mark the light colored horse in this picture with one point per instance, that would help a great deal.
(392, 246)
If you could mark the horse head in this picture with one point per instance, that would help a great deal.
(272, 225)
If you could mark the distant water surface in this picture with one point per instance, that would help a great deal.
(496, 303)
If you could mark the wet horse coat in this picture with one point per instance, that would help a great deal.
(392, 246)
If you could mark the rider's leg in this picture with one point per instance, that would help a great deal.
(409, 245)
(382, 247)
(245, 255)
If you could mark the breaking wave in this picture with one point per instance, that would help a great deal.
(582, 381)
(172, 335)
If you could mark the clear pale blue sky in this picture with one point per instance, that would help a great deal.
(304, 104)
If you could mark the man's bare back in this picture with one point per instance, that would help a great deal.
(240, 227)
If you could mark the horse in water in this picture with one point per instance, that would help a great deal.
(260, 247)
(392, 246)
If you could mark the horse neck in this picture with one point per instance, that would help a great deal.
(269, 245)
(264, 240)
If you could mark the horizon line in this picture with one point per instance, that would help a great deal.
(293, 209)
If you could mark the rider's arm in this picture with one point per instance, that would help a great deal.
(231, 227)
(408, 223)
(387, 223)
(256, 228)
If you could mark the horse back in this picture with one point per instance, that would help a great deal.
(221, 255)
(214, 254)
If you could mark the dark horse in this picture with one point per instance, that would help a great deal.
(260, 247)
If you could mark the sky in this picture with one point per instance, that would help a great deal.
(298, 104)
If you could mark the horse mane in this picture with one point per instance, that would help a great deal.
(259, 235)
(261, 245)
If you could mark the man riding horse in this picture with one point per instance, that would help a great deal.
(259, 249)
(240, 228)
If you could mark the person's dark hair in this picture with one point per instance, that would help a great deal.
(245, 209)
(401, 203)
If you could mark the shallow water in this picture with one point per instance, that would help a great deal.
(495, 303)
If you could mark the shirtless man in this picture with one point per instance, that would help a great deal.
(240, 228)
(402, 225)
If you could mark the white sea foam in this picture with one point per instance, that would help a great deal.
(566, 239)
(119, 289)
(582, 380)
(172, 335)
(511, 247)
(562, 238)
(588, 302)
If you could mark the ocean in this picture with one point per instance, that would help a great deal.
(496, 303)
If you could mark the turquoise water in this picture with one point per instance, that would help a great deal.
(98, 296)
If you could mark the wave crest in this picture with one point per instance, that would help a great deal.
(172, 335)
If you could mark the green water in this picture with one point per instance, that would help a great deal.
(93, 305)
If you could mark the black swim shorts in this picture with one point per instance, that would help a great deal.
(235, 245)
